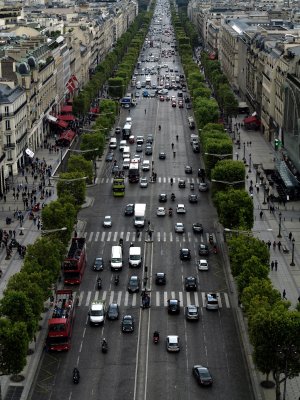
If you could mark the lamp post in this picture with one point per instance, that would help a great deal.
(244, 152)
(292, 264)
(250, 163)
(264, 202)
(279, 232)
(239, 139)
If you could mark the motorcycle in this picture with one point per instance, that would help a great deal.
(170, 212)
(211, 239)
(116, 280)
(104, 346)
(99, 283)
(171, 181)
(155, 337)
(76, 376)
(215, 250)
(159, 127)
(173, 197)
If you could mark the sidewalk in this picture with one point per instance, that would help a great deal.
(25, 236)
(267, 228)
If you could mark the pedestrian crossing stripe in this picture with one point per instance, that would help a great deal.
(159, 179)
(158, 299)
(108, 236)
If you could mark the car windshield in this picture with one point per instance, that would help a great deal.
(96, 313)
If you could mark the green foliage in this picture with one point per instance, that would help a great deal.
(16, 306)
(13, 346)
(206, 111)
(228, 171)
(78, 163)
(241, 249)
(235, 209)
(251, 268)
(72, 183)
(93, 141)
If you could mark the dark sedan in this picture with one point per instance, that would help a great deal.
(197, 227)
(173, 306)
(98, 264)
(127, 323)
(190, 283)
(193, 198)
(160, 278)
(202, 375)
(133, 284)
(113, 312)
(129, 209)
(162, 198)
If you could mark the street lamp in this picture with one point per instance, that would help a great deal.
(264, 202)
(221, 156)
(46, 231)
(244, 154)
(292, 264)
(229, 183)
(279, 232)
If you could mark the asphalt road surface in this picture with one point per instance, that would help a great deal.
(134, 368)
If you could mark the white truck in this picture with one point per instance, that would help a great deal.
(135, 256)
(97, 313)
(139, 215)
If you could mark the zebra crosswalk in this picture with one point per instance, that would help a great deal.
(158, 299)
(159, 179)
(108, 236)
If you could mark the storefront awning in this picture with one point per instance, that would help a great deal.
(66, 117)
(66, 138)
(62, 124)
(51, 118)
(286, 175)
(66, 109)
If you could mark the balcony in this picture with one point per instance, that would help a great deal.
(9, 146)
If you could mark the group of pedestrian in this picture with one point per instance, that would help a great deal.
(21, 250)
(274, 265)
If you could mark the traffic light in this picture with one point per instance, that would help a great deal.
(276, 144)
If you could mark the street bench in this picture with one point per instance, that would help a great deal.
(285, 249)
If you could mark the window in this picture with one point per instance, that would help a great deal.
(6, 110)
(7, 125)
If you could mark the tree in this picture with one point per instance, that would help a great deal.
(93, 141)
(16, 306)
(13, 346)
(72, 183)
(235, 209)
(276, 341)
(206, 110)
(116, 88)
(250, 269)
(78, 163)
(242, 247)
(228, 171)
(259, 291)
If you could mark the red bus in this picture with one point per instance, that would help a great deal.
(75, 262)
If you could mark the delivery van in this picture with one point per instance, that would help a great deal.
(116, 261)
(135, 257)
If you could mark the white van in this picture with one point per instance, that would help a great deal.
(129, 120)
(138, 85)
(116, 261)
(146, 165)
(113, 143)
(135, 256)
(126, 152)
(126, 163)
(122, 144)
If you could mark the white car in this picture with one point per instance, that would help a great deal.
(161, 211)
(143, 182)
(179, 227)
(107, 221)
(202, 265)
(172, 343)
(180, 209)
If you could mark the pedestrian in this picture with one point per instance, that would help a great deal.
(279, 245)
(274, 245)
(14, 234)
(276, 265)
(26, 179)
(257, 188)
(145, 111)
(38, 224)
(269, 244)
(34, 220)
(272, 265)
(284, 294)
(261, 214)
(290, 235)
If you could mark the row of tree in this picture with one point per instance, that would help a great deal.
(273, 327)
(24, 298)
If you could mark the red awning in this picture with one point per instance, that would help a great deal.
(62, 124)
(66, 138)
(66, 110)
(66, 117)
(69, 102)
(251, 120)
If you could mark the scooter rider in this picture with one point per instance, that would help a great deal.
(156, 335)
(117, 279)
(173, 197)
(171, 181)
(170, 211)
(76, 375)
(159, 127)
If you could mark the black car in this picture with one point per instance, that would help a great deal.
(202, 375)
(181, 183)
(129, 209)
(188, 169)
(190, 283)
(118, 130)
(133, 284)
(162, 198)
(115, 169)
(113, 312)
(185, 254)
(162, 155)
(148, 150)
(149, 139)
(160, 278)
(197, 227)
(173, 306)
(127, 323)
(98, 264)
(139, 148)
(193, 198)
(203, 249)
(196, 148)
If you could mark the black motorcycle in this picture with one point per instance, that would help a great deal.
(173, 197)
(76, 376)
(99, 283)
(117, 280)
